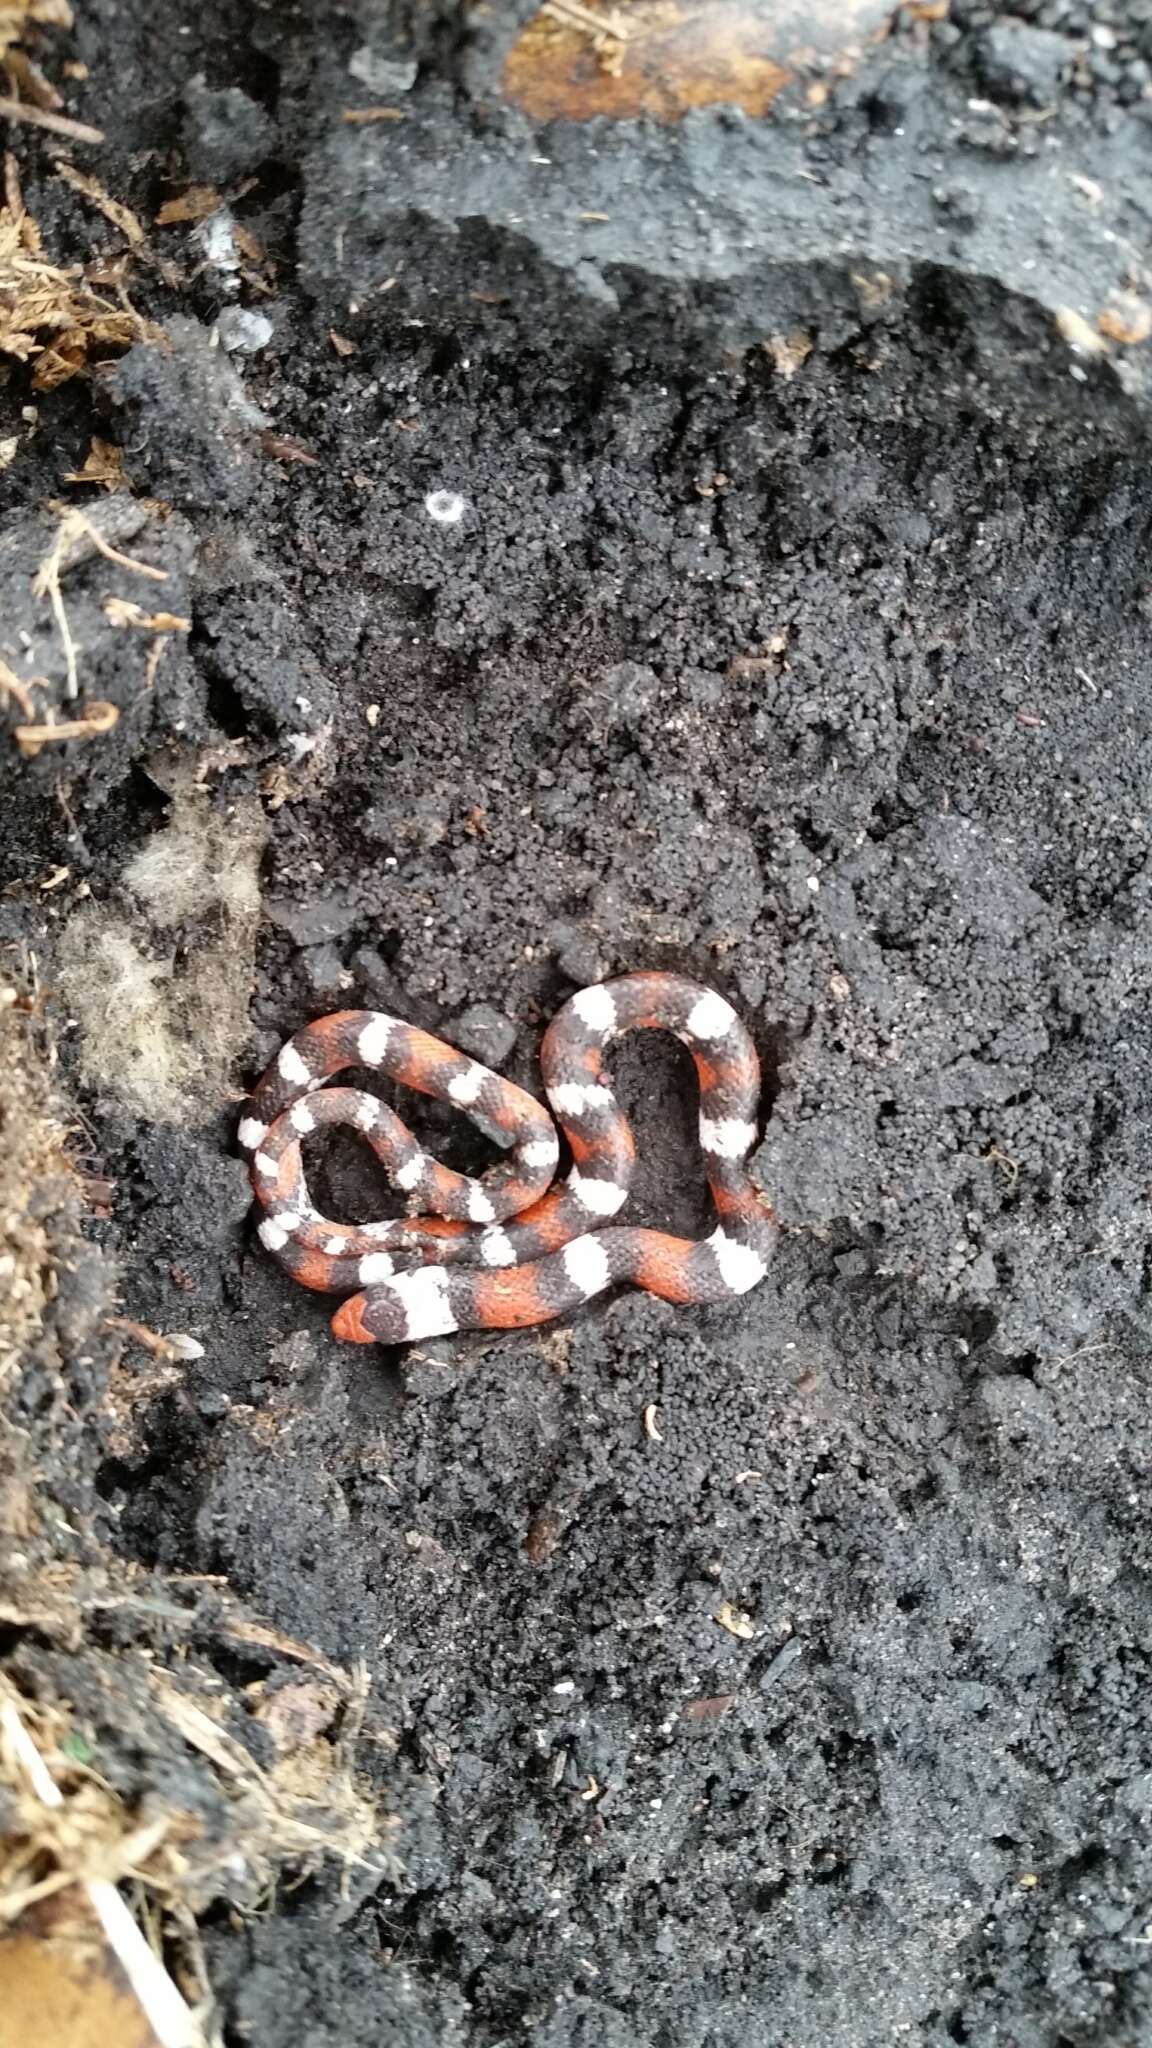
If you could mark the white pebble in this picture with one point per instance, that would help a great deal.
(445, 508)
(184, 1347)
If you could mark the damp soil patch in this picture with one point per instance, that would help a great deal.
(528, 552)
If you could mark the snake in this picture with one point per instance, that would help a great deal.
(516, 1246)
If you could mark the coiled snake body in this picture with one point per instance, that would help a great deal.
(508, 1249)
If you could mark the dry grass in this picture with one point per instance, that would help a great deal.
(86, 1834)
(31, 96)
(96, 1883)
(307, 1807)
(52, 317)
(18, 16)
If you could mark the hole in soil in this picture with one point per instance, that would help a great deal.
(979, 1327)
(255, 71)
(882, 113)
(809, 837)
(225, 707)
(1023, 1366)
(1090, 1858)
(274, 181)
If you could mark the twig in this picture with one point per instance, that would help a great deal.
(120, 611)
(46, 583)
(40, 117)
(13, 197)
(12, 686)
(75, 526)
(170, 2019)
(98, 719)
(170, 1349)
(155, 657)
(78, 524)
(121, 216)
(573, 15)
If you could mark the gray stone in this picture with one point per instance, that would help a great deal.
(485, 1032)
(1023, 63)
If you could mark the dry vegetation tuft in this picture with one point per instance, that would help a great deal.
(53, 317)
(16, 18)
(103, 1868)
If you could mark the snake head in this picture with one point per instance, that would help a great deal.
(402, 1310)
(348, 1322)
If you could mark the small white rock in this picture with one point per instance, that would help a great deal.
(184, 1347)
(242, 332)
(445, 508)
(381, 74)
(217, 238)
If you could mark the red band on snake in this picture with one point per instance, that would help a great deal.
(509, 1249)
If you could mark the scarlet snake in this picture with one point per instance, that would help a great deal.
(509, 1249)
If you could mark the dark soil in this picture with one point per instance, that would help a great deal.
(817, 667)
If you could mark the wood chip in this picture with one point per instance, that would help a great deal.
(341, 343)
(282, 448)
(735, 1621)
(360, 117)
(45, 13)
(544, 1532)
(103, 465)
(1127, 320)
(197, 203)
(709, 1709)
